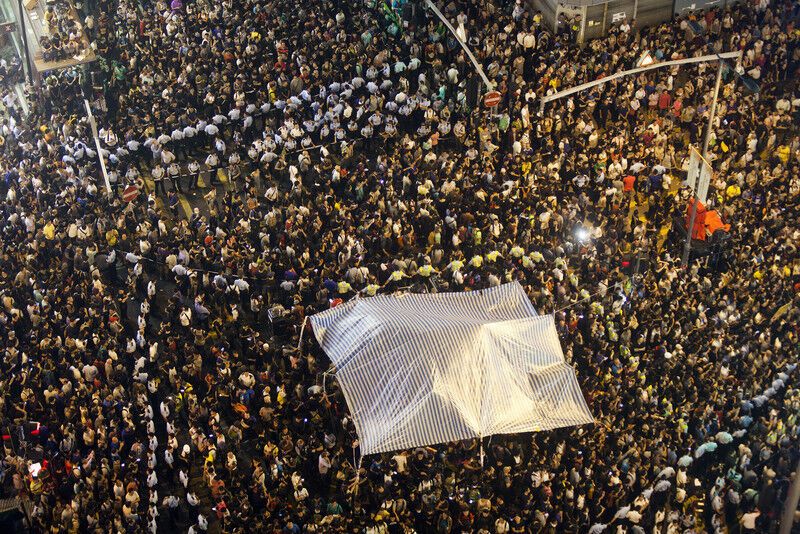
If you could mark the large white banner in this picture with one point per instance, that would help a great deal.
(422, 369)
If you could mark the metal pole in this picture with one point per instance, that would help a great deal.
(93, 125)
(476, 113)
(555, 19)
(24, 33)
(687, 248)
(789, 507)
(489, 85)
(605, 14)
(583, 26)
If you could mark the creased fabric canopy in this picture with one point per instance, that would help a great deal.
(422, 369)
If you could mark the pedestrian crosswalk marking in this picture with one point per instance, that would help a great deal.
(194, 198)
(150, 186)
(187, 208)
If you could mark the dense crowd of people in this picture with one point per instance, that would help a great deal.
(65, 36)
(154, 376)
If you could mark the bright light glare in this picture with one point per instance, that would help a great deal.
(582, 234)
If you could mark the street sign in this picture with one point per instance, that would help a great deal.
(130, 193)
(491, 99)
(694, 168)
(703, 182)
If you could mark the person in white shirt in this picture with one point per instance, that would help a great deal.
(748, 520)
(190, 134)
(108, 137)
(192, 499)
(169, 458)
(171, 501)
(219, 144)
(158, 177)
(194, 174)
(184, 478)
(132, 174)
(324, 463)
(167, 157)
(174, 172)
(211, 130)
(211, 162)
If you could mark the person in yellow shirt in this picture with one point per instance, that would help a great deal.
(733, 191)
(783, 153)
(49, 231)
(344, 287)
(393, 282)
(426, 270)
(371, 290)
(527, 262)
(112, 237)
(396, 276)
(455, 265)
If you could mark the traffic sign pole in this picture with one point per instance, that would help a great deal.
(130, 193)
(492, 99)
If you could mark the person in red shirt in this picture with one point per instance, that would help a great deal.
(677, 106)
(628, 182)
(664, 100)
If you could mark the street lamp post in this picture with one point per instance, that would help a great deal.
(687, 247)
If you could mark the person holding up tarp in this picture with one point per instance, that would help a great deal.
(699, 229)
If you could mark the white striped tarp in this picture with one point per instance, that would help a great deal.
(422, 369)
